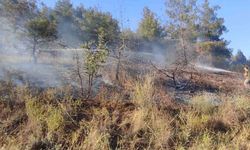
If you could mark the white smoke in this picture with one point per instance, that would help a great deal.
(15, 53)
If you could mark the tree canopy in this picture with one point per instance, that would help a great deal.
(95, 22)
(211, 28)
(149, 27)
(239, 58)
(188, 23)
(64, 9)
(182, 22)
(41, 27)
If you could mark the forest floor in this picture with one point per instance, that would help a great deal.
(141, 111)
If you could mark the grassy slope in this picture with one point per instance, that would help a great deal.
(141, 116)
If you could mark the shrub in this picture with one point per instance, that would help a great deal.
(95, 139)
(203, 103)
(40, 113)
(34, 109)
(94, 134)
(150, 128)
(55, 119)
(143, 92)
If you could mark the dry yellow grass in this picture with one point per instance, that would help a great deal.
(51, 120)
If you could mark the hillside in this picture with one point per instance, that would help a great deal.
(143, 111)
(79, 76)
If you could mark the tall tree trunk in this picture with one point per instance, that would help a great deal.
(184, 47)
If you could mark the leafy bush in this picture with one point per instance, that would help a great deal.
(55, 119)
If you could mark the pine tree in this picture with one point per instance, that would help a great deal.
(211, 26)
(95, 21)
(182, 26)
(40, 29)
(64, 9)
(210, 41)
(149, 27)
(239, 58)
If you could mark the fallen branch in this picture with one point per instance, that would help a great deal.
(173, 74)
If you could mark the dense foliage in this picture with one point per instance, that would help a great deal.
(187, 22)
(150, 28)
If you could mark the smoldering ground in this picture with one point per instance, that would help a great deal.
(51, 70)
(56, 60)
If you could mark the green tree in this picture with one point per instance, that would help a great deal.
(79, 12)
(94, 57)
(238, 61)
(182, 25)
(64, 9)
(122, 45)
(40, 29)
(94, 22)
(211, 26)
(217, 50)
(149, 27)
(69, 27)
(132, 40)
(239, 58)
(211, 29)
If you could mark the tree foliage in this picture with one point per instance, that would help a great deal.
(182, 26)
(149, 27)
(183, 17)
(187, 23)
(239, 58)
(211, 26)
(211, 29)
(64, 9)
(40, 29)
(94, 57)
(69, 26)
(216, 49)
(95, 22)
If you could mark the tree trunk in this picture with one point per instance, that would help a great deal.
(122, 48)
(184, 47)
(90, 85)
(79, 74)
(82, 90)
(118, 67)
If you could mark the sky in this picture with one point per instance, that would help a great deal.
(235, 12)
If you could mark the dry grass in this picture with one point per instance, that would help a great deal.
(133, 118)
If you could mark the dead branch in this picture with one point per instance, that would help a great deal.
(78, 72)
(176, 73)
